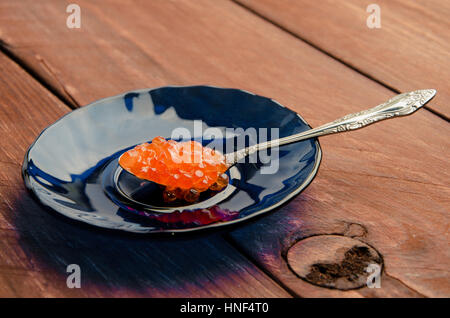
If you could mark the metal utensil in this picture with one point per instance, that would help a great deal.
(399, 105)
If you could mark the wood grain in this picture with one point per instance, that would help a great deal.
(36, 246)
(386, 185)
(410, 51)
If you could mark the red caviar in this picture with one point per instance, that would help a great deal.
(196, 217)
(184, 168)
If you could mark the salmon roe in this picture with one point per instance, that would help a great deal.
(185, 168)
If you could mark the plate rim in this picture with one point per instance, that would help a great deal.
(300, 188)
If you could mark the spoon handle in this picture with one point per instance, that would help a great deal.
(400, 105)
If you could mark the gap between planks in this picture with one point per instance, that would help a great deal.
(334, 57)
(72, 104)
(4, 48)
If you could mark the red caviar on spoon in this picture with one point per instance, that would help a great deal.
(185, 169)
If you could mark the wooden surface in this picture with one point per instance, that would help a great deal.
(385, 186)
(411, 50)
(36, 247)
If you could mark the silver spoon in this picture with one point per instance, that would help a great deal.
(399, 105)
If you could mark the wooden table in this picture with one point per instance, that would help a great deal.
(383, 189)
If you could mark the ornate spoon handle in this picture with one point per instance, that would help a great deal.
(400, 105)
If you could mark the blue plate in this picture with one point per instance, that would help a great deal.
(72, 166)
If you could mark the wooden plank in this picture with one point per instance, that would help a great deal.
(36, 247)
(392, 178)
(410, 51)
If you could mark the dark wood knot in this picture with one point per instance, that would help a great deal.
(333, 261)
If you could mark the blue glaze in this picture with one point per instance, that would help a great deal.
(66, 167)
(129, 100)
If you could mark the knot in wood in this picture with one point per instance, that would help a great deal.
(333, 261)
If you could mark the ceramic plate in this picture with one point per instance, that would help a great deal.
(72, 166)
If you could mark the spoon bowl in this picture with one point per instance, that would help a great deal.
(147, 195)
